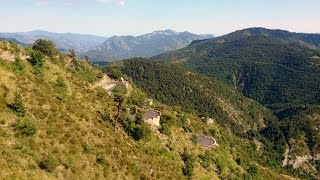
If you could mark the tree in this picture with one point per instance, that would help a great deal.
(74, 63)
(72, 54)
(17, 105)
(36, 58)
(47, 47)
(119, 100)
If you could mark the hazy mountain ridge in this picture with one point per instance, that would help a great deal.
(63, 41)
(121, 47)
(13, 40)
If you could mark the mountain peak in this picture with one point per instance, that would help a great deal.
(164, 32)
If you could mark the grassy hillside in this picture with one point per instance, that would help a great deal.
(55, 125)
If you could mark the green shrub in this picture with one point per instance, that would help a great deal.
(37, 61)
(206, 159)
(101, 92)
(25, 127)
(165, 129)
(115, 73)
(141, 132)
(189, 161)
(36, 58)
(18, 105)
(101, 159)
(194, 139)
(166, 121)
(49, 163)
(252, 170)
(19, 66)
(62, 86)
(2, 121)
(120, 89)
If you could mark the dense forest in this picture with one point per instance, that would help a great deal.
(265, 69)
(176, 86)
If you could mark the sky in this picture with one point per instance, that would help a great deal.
(136, 17)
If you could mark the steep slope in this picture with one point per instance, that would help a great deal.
(54, 124)
(64, 42)
(121, 47)
(192, 92)
(281, 75)
(177, 87)
(260, 67)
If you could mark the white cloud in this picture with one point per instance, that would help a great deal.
(117, 2)
(68, 4)
(42, 3)
(122, 3)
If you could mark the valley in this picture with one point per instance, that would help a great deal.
(152, 90)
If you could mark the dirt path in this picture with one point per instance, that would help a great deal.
(108, 84)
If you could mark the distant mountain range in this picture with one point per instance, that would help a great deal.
(64, 42)
(14, 41)
(310, 40)
(121, 47)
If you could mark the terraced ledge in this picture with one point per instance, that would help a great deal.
(206, 141)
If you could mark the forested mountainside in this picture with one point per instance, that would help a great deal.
(282, 75)
(56, 123)
(266, 69)
(63, 41)
(121, 47)
(177, 87)
(286, 140)
(308, 40)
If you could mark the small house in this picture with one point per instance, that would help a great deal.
(152, 117)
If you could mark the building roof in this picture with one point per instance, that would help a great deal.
(151, 114)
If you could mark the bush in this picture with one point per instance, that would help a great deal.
(165, 129)
(115, 73)
(25, 128)
(36, 58)
(19, 66)
(37, 61)
(141, 132)
(62, 86)
(206, 159)
(189, 160)
(101, 159)
(49, 163)
(120, 90)
(47, 47)
(252, 170)
(18, 106)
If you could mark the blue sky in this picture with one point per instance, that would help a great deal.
(134, 17)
